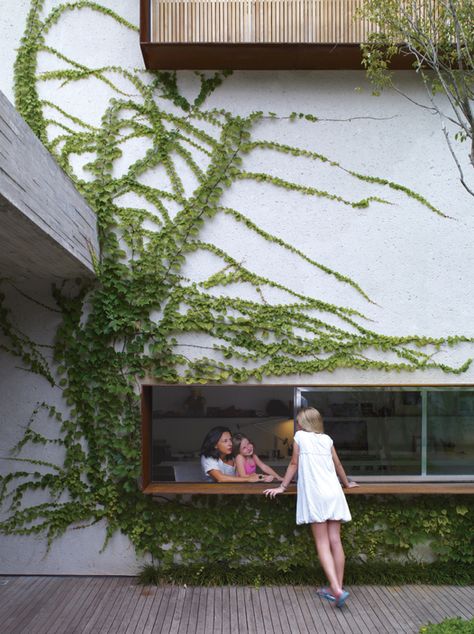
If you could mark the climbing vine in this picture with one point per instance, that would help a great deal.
(110, 334)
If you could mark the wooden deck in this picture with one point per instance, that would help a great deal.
(64, 605)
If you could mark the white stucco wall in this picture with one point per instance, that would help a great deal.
(76, 552)
(415, 265)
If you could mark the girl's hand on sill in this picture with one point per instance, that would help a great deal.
(351, 484)
(271, 493)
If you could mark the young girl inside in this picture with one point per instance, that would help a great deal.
(217, 458)
(320, 500)
(247, 461)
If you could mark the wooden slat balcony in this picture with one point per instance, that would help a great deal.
(258, 21)
(252, 34)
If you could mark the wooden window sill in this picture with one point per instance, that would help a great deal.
(412, 488)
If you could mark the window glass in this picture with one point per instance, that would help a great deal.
(375, 432)
(450, 425)
(182, 416)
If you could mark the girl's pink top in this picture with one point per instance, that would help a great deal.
(250, 466)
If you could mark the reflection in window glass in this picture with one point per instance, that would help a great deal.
(450, 443)
(182, 416)
(375, 432)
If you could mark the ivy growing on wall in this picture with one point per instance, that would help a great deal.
(128, 324)
(383, 532)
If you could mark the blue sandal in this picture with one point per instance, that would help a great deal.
(342, 599)
(325, 593)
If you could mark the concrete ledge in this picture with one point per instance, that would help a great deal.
(47, 230)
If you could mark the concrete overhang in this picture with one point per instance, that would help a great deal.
(47, 230)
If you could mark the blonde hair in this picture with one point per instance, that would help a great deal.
(310, 419)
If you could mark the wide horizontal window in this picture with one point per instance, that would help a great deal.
(382, 434)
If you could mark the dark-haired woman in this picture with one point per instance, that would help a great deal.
(217, 459)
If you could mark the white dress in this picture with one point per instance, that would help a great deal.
(320, 495)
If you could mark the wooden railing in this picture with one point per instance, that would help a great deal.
(258, 21)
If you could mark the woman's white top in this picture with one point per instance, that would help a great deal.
(208, 464)
(320, 495)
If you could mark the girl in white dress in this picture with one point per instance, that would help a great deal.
(320, 499)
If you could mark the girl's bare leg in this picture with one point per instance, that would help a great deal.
(323, 547)
(334, 534)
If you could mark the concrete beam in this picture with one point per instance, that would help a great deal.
(47, 230)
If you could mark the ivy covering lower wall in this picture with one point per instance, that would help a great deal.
(232, 539)
(110, 336)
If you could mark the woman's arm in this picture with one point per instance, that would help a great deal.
(265, 468)
(289, 475)
(240, 466)
(218, 476)
(340, 471)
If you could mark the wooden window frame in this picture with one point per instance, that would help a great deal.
(150, 487)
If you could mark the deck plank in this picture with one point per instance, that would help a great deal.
(302, 621)
(79, 597)
(181, 618)
(218, 628)
(121, 594)
(257, 609)
(416, 599)
(234, 612)
(369, 602)
(102, 609)
(338, 620)
(16, 597)
(194, 611)
(362, 614)
(170, 607)
(225, 612)
(124, 616)
(389, 596)
(268, 623)
(209, 622)
(319, 609)
(294, 617)
(454, 596)
(113, 605)
(245, 600)
(281, 609)
(410, 616)
(13, 590)
(316, 618)
(177, 612)
(146, 623)
(28, 605)
(140, 607)
(200, 625)
(156, 618)
(151, 595)
(68, 592)
(74, 613)
(125, 597)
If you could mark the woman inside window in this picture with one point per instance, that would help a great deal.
(217, 458)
